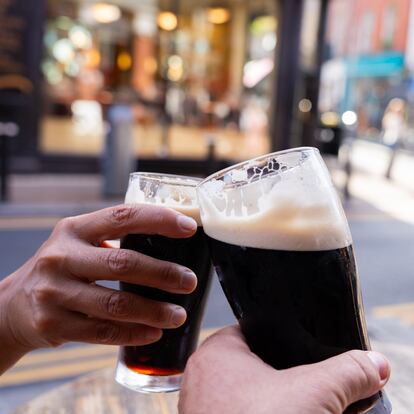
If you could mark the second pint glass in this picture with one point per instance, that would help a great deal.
(282, 249)
(158, 367)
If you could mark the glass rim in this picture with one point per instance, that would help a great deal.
(171, 179)
(223, 172)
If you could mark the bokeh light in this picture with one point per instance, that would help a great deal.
(63, 51)
(218, 15)
(349, 118)
(105, 13)
(167, 21)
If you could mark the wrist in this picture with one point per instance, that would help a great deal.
(12, 349)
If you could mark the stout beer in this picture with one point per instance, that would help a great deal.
(169, 355)
(158, 367)
(282, 249)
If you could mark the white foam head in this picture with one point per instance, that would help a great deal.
(284, 201)
(170, 191)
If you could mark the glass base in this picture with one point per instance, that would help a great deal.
(146, 384)
(382, 406)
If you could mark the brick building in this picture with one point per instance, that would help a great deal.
(368, 44)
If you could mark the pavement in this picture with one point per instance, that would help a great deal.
(381, 216)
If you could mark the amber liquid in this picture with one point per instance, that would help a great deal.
(170, 355)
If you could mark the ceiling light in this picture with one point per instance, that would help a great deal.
(218, 15)
(105, 13)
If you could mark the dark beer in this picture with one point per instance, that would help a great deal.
(282, 249)
(159, 367)
(170, 355)
(294, 308)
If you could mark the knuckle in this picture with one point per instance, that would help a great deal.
(122, 214)
(50, 261)
(169, 274)
(44, 293)
(161, 314)
(118, 304)
(44, 322)
(362, 373)
(119, 261)
(65, 224)
(159, 217)
(107, 333)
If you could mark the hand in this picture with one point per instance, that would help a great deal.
(53, 298)
(225, 377)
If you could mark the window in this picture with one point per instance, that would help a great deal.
(366, 32)
(389, 25)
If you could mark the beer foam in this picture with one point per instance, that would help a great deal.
(294, 209)
(180, 198)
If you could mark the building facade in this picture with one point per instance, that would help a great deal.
(367, 66)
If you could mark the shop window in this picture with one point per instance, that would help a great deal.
(366, 32)
(389, 25)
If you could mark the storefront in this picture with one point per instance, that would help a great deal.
(365, 85)
(191, 71)
(197, 77)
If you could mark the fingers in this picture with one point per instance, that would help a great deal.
(72, 327)
(132, 267)
(116, 222)
(347, 378)
(359, 374)
(107, 304)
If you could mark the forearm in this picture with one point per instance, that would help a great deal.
(10, 349)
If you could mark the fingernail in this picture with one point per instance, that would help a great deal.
(380, 363)
(186, 224)
(188, 280)
(179, 316)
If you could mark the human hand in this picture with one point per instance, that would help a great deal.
(53, 297)
(225, 377)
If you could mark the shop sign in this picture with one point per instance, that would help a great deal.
(382, 65)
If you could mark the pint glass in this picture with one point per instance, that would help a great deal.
(282, 249)
(158, 367)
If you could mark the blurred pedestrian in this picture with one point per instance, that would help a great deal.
(394, 122)
(394, 125)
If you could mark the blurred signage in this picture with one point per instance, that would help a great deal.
(21, 23)
(383, 65)
(14, 32)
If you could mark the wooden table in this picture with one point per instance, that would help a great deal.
(98, 393)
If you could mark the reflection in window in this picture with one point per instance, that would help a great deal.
(366, 32)
(389, 25)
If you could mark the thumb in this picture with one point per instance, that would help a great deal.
(351, 377)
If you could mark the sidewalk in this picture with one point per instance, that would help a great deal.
(54, 195)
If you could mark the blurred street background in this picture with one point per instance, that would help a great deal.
(91, 90)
